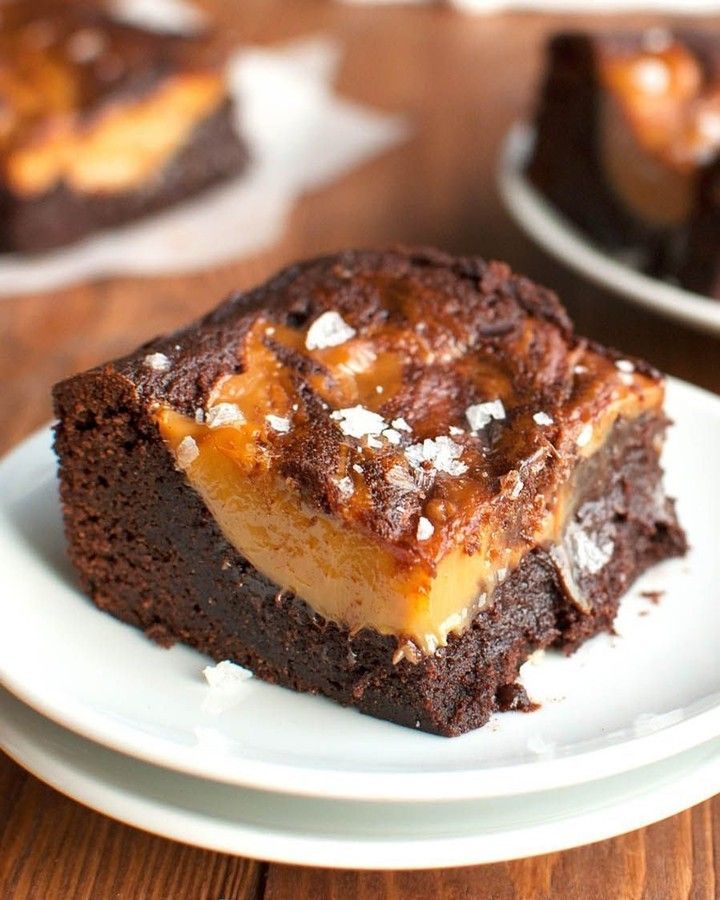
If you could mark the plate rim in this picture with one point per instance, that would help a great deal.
(633, 808)
(319, 782)
(566, 243)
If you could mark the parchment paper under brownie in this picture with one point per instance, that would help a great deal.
(384, 477)
(628, 146)
(102, 122)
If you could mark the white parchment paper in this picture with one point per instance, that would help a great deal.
(301, 135)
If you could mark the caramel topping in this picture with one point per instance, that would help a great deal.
(384, 523)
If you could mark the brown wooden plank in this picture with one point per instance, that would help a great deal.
(54, 848)
(667, 861)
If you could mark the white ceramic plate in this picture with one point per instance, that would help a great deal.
(346, 834)
(619, 703)
(545, 225)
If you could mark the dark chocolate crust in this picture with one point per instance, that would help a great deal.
(213, 153)
(148, 551)
(565, 163)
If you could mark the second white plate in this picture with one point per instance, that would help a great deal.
(545, 225)
(619, 703)
(346, 834)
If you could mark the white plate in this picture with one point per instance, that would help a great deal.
(345, 834)
(619, 703)
(544, 224)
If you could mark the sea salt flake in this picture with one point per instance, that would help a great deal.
(585, 435)
(442, 453)
(226, 674)
(345, 486)
(379, 389)
(624, 365)
(357, 468)
(542, 418)
(580, 369)
(401, 425)
(392, 435)
(328, 330)
(157, 361)
(187, 452)
(517, 489)
(199, 415)
(400, 478)
(590, 556)
(425, 529)
(481, 414)
(223, 414)
(455, 431)
(358, 422)
(536, 743)
(373, 442)
(278, 423)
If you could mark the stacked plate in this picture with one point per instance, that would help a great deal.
(628, 731)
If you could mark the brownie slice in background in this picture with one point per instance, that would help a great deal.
(627, 146)
(102, 122)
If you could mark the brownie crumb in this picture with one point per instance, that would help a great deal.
(514, 697)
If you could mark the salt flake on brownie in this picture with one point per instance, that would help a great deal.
(328, 330)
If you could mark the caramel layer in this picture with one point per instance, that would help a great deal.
(467, 530)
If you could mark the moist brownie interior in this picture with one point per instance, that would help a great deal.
(386, 477)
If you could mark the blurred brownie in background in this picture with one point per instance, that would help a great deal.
(628, 138)
(102, 122)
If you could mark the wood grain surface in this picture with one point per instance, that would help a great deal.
(462, 82)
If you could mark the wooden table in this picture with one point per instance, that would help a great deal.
(463, 81)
